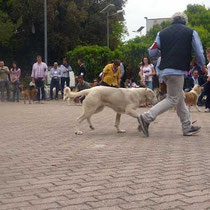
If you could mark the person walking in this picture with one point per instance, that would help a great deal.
(4, 80)
(15, 73)
(38, 77)
(147, 71)
(175, 43)
(55, 75)
(65, 69)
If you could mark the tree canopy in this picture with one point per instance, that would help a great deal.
(79, 25)
(70, 23)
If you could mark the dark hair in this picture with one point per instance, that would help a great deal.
(14, 63)
(149, 61)
(81, 60)
(208, 50)
(116, 62)
(195, 70)
(39, 56)
(80, 77)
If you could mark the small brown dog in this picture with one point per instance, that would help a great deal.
(29, 93)
(191, 98)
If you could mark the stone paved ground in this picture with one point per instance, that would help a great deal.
(43, 165)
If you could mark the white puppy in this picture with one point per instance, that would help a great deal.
(66, 94)
(121, 100)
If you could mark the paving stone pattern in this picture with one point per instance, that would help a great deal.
(44, 165)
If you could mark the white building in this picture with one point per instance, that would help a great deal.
(154, 21)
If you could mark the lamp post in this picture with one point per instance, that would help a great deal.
(107, 10)
(45, 31)
(139, 30)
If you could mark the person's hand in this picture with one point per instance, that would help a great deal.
(43, 79)
(208, 79)
(33, 80)
(204, 70)
(143, 83)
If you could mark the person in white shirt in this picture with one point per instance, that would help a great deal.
(207, 85)
(147, 71)
(38, 76)
(65, 74)
(55, 75)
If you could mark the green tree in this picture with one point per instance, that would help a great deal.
(199, 20)
(95, 58)
(8, 27)
(70, 23)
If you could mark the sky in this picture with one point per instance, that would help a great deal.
(136, 10)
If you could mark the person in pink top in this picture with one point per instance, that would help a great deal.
(38, 77)
(15, 73)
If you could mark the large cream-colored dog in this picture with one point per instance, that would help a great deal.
(121, 100)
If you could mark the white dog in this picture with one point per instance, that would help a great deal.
(66, 94)
(121, 100)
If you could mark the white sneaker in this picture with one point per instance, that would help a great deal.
(207, 110)
(42, 101)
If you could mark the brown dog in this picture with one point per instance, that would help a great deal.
(191, 98)
(29, 93)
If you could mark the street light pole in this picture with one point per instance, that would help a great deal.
(106, 11)
(107, 29)
(45, 31)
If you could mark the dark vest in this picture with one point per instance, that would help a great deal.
(176, 47)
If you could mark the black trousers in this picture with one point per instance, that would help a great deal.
(207, 92)
(40, 86)
(54, 83)
(63, 81)
(107, 85)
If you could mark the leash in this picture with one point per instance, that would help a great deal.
(204, 84)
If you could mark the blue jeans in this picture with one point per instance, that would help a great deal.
(16, 91)
(3, 85)
(149, 84)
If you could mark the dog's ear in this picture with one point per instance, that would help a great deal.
(150, 95)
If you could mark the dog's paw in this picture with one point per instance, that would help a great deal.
(78, 132)
(121, 131)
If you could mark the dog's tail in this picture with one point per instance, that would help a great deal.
(78, 94)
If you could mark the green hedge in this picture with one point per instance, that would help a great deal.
(95, 58)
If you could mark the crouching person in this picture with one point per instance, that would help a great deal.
(81, 85)
(111, 75)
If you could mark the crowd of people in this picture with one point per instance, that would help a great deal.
(115, 74)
